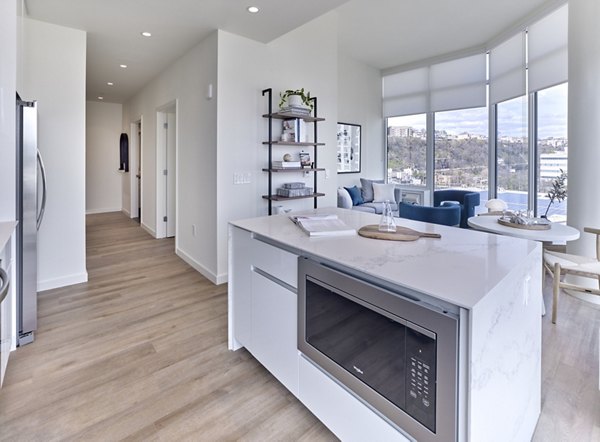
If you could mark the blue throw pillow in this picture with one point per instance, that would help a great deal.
(355, 195)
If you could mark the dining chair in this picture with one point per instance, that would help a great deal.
(561, 264)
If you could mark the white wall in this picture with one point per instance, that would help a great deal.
(359, 102)
(305, 57)
(185, 82)
(53, 73)
(224, 135)
(8, 85)
(102, 178)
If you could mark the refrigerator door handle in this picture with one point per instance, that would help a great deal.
(40, 215)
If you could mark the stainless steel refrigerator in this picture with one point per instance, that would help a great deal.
(31, 202)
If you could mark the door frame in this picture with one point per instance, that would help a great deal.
(135, 158)
(161, 197)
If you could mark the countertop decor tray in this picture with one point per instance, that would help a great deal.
(401, 233)
(539, 224)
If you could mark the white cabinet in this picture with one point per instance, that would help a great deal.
(274, 330)
(263, 304)
(341, 411)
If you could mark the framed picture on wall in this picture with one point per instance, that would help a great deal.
(348, 147)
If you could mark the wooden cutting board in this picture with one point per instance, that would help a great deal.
(401, 233)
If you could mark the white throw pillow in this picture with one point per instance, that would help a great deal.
(344, 199)
(383, 192)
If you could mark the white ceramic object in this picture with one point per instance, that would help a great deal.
(294, 100)
(496, 205)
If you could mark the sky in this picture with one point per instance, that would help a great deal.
(512, 117)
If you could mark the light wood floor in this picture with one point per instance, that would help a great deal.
(139, 353)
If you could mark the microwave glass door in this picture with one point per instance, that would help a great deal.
(382, 350)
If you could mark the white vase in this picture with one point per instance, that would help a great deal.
(295, 100)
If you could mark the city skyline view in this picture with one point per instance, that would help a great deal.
(461, 150)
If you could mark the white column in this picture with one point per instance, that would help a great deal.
(584, 122)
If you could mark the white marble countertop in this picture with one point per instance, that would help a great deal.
(460, 268)
(6, 230)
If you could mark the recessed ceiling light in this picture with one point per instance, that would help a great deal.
(110, 83)
(100, 98)
(146, 34)
(252, 9)
(124, 66)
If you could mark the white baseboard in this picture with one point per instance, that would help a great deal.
(148, 229)
(215, 279)
(94, 211)
(126, 212)
(63, 281)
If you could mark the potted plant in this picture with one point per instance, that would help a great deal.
(297, 98)
(558, 191)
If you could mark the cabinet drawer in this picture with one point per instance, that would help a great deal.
(276, 262)
(274, 330)
(346, 416)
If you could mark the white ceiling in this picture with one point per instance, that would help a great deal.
(390, 33)
(382, 33)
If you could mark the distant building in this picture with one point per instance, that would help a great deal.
(400, 131)
(552, 163)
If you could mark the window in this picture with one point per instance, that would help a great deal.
(461, 150)
(407, 150)
(530, 149)
(552, 147)
(512, 153)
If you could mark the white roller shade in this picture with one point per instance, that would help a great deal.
(406, 93)
(507, 69)
(458, 84)
(548, 50)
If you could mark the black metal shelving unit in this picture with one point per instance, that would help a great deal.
(270, 197)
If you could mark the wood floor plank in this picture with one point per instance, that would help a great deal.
(139, 353)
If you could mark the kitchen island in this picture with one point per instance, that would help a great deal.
(491, 284)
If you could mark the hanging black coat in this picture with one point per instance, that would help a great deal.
(124, 153)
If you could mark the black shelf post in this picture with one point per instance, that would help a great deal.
(314, 100)
(269, 91)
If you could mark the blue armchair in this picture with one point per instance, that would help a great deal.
(446, 215)
(467, 201)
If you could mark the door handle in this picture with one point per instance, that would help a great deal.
(40, 215)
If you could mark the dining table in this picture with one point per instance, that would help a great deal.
(558, 233)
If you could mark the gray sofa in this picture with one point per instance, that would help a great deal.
(344, 200)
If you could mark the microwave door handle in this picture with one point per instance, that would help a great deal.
(40, 215)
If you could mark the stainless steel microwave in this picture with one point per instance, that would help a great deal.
(389, 350)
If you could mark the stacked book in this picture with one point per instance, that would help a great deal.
(286, 164)
(297, 110)
(294, 190)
